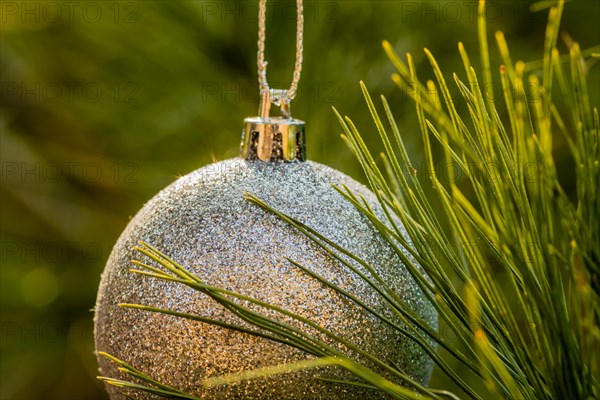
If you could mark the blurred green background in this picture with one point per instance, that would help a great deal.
(106, 102)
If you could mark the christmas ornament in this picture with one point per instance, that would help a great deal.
(203, 222)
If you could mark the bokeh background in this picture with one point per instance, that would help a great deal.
(106, 102)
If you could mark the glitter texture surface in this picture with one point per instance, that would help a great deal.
(203, 222)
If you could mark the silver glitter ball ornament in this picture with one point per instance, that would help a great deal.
(203, 222)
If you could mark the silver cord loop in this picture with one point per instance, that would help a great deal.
(275, 139)
(279, 97)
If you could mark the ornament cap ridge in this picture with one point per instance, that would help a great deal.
(271, 139)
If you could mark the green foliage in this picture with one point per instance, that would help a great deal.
(513, 259)
(525, 255)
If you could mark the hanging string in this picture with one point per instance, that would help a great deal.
(284, 96)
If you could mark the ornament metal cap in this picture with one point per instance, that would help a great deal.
(271, 139)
